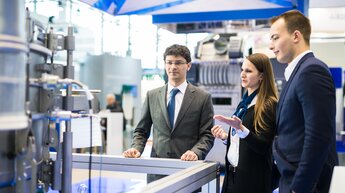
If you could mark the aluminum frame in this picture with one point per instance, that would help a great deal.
(184, 176)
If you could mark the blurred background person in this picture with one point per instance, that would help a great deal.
(112, 104)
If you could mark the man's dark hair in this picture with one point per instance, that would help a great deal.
(177, 50)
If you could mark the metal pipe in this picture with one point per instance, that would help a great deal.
(13, 49)
(13, 120)
(67, 135)
(67, 162)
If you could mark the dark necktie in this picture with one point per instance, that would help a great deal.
(171, 106)
(242, 107)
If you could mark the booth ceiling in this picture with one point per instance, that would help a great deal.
(182, 11)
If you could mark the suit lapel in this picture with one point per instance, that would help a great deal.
(186, 102)
(162, 103)
(288, 83)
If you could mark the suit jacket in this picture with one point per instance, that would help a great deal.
(253, 173)
(304, 147)
(192, 129)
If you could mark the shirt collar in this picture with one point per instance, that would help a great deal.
(292, 65)
(253, 101)
(182, 87)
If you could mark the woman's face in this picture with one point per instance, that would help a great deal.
(250, 76)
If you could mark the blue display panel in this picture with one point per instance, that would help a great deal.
(179, 11)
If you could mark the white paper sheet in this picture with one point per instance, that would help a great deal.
(81, 132)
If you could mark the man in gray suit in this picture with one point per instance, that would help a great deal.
(186, 135)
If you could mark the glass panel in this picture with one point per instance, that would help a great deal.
(143, 38)
(107, 181)
(115, 34)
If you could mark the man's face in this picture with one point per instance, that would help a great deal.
(282, 43)
(110, 100)
(176, 68)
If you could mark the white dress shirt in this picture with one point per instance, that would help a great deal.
(292, 65)
(233, 153)
(178, 98)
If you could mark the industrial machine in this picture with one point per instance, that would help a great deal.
(39, 103)
(37, 97)
(218, 71)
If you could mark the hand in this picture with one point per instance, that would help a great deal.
(234, 121)
(189, 156)
(131, 153)
(218, 132)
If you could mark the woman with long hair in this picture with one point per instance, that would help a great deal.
(248, 158)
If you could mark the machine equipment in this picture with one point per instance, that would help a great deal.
(37, 95)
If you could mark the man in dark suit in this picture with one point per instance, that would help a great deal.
(186, 134)
(112, 104)
(304, 146)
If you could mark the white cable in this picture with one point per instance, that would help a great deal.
(40, 49)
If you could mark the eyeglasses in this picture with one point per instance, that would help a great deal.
(177, 63)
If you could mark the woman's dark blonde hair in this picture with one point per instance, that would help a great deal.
(267, 95)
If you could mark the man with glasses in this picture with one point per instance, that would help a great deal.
(180, 113)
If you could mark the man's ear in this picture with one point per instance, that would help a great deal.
(297, 36)
(189, 66)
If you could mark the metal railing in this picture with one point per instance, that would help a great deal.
(183, 176)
